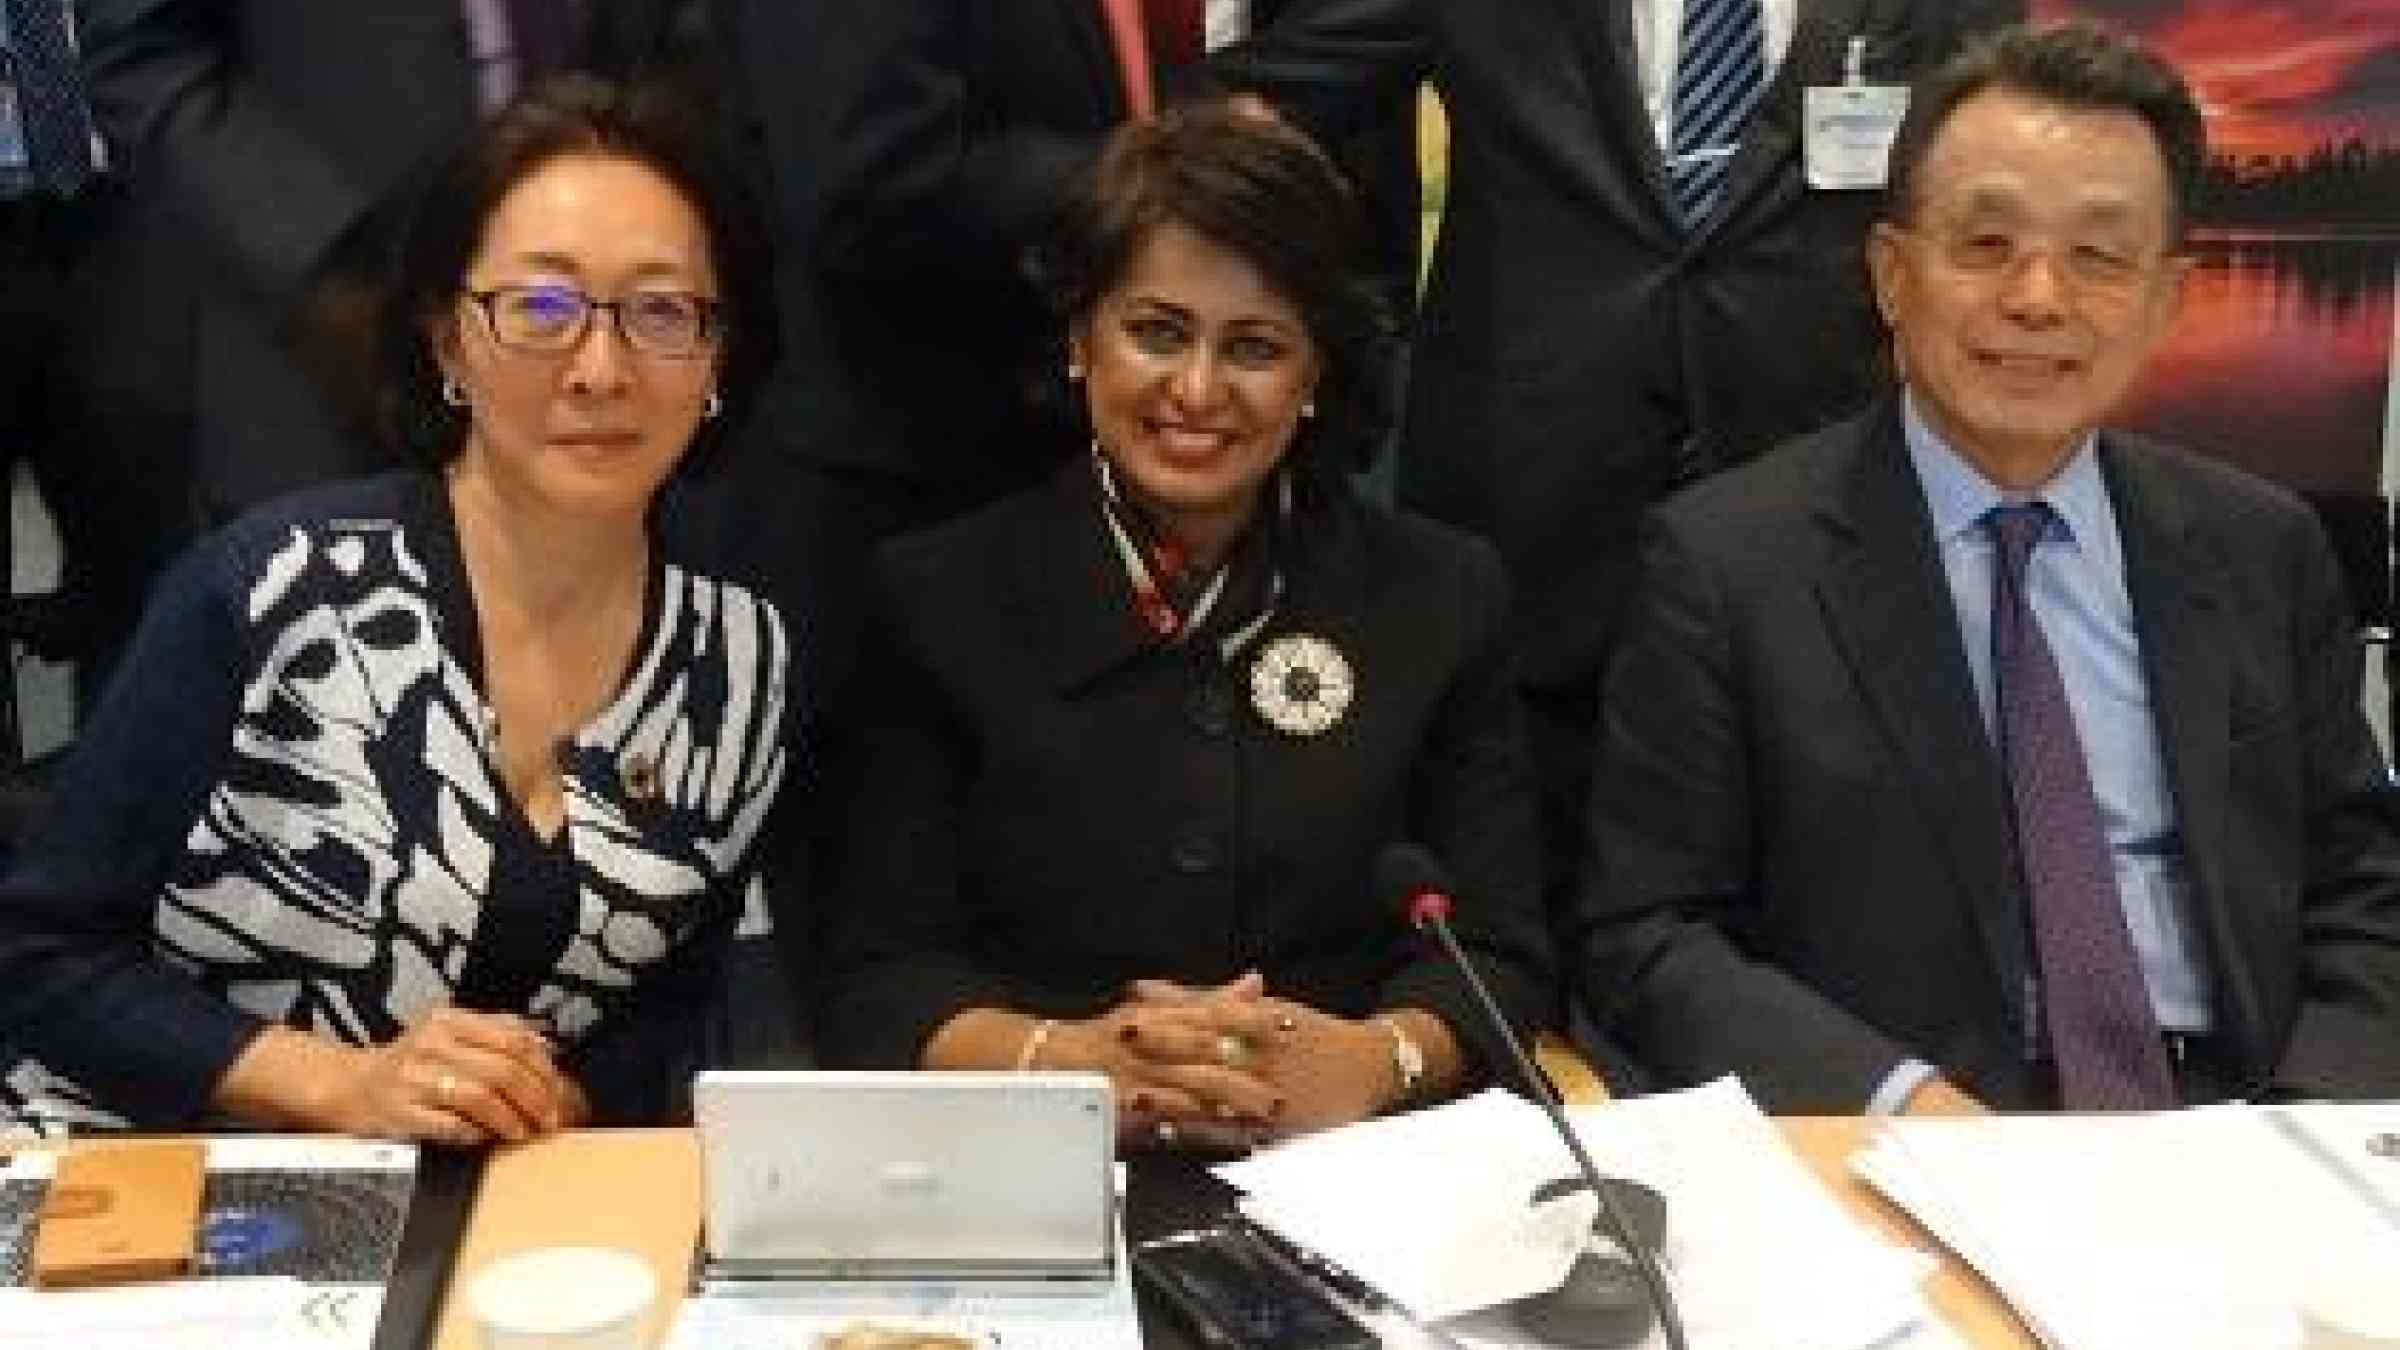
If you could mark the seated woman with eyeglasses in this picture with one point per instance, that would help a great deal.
(422, 806)
(1136, 739)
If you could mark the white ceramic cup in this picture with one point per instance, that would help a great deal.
(564, 1298)
(2355, 1307)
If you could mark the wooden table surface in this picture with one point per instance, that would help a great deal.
(1957, 1293)
(640, 1190)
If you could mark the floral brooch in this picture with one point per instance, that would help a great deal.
(1302, 684)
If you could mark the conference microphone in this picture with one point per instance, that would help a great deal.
(1604, 1301)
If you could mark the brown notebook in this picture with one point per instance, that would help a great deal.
(118, 1212)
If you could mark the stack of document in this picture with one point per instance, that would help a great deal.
(1432, 1210)
(297, 1236)
(2197, 1229)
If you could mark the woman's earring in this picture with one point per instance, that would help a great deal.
(453, 393)
(1074, 371)
(712, 405)
(1309, 408)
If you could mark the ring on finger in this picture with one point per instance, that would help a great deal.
(1232, 1051)
(445, 1087)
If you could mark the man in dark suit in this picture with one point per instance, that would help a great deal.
(275, 139)
(1963, 754)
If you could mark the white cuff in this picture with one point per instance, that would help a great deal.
(1907, 1077)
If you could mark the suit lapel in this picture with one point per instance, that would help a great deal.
(1592, 26)
(2176, 584)
(1602, 34)
(1887, 601)
(1073, 582)
(1621, 89)
(1773, 135)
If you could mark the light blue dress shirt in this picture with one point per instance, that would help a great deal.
(2076, 586)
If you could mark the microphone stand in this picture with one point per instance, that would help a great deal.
(1669, 1317)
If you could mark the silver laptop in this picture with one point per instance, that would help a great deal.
(907, 1176)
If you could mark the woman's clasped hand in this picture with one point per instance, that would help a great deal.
(462, 1078)
(1227, 1066)
(454, 1076)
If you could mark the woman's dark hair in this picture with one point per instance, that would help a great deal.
(642, 124)
(1260, 189)
(2075, 65)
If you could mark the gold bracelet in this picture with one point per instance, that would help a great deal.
(1034, 1041)
(1408, 1060)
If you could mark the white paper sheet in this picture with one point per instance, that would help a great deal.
(2194, 1229)
(259, 1153)
(1492, 1253)
(170, 1315)
(210, 1314)
(2360, 1143)
(1760, 1255)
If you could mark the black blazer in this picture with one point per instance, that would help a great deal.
(1052, 804)
(1577, 353)
(1799, 823)
(277, 136)
(920, 148)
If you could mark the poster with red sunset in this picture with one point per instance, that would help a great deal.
(2283, 360)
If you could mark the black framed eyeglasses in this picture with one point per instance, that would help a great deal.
(550, 320)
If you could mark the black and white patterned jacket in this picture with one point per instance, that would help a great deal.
(285, 810)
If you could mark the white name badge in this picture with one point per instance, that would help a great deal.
(1846, 133)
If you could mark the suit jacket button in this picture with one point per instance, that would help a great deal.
(1196, 852)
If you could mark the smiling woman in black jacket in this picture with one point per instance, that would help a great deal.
(1136, 736)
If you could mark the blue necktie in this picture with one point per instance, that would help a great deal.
(50, 95)
(2103, 1035)
(1720, 71)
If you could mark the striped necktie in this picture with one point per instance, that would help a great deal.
(1720, 71)
(51, 104)
(2104, 1037)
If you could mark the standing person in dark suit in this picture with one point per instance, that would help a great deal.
(1964, 753)
(275, 137)
(1136, 736)
(1603, 324)
(79, 401)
